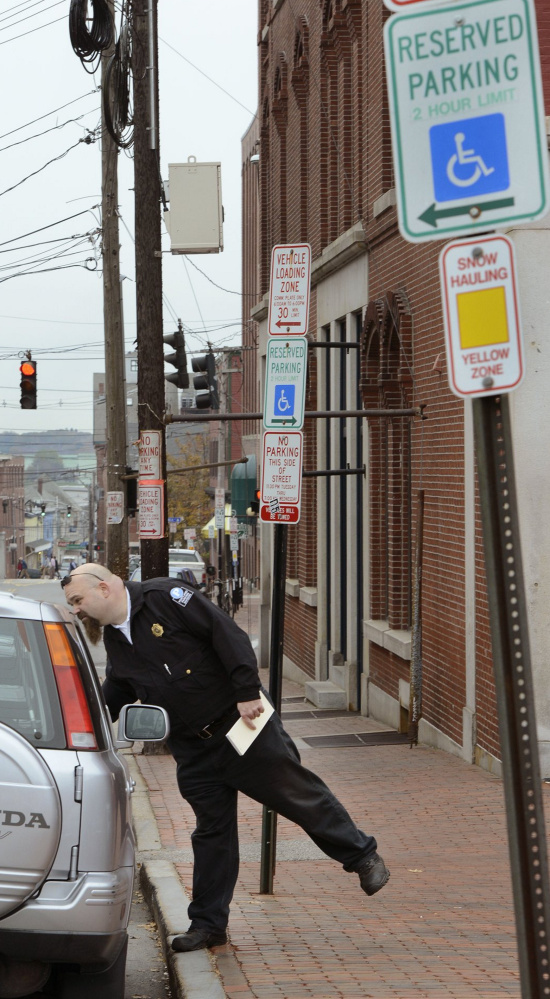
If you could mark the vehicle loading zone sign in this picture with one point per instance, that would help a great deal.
(467, 117)
(481, 311)
(289, 287)
(285, 382)
(281, 477)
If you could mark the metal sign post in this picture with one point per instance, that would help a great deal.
(269, 817)
(514, 691)
(484, 351)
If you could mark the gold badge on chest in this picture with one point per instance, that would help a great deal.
(158, 630)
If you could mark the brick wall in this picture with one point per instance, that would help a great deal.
(325, 147)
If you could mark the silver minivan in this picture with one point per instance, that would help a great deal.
(66, 841)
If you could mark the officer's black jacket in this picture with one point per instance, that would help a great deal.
(186, 655)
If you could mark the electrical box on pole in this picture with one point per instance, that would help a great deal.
(195, 219)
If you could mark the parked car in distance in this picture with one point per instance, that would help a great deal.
(181, 561)
(66, 841)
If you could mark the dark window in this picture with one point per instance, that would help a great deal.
(28, 694)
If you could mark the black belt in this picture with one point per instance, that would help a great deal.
(209, 730)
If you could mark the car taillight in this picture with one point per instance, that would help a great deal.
(204, 577)
(74, 706)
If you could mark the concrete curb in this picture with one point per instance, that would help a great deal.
(194, 975)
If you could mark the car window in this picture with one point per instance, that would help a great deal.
(187, 558)
(29, 701)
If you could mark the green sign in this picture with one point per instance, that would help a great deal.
(467, 118)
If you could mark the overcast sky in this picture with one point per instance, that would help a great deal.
(58, 314)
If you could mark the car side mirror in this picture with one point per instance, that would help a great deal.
(142, 723)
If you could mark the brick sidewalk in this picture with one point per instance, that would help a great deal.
(443, 926)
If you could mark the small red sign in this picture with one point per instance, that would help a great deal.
(284, 514)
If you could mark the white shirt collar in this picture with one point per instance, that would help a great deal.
(125, 626)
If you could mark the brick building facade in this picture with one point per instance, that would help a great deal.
(317, 167)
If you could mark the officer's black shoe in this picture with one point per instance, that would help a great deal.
(197, 939)
(373, 874)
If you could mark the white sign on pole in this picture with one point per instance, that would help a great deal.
(219, 510)
(467, 118)
(481, 310)
(211, 531)
(115, 507)
(281, 477)
(172, 527)
(285, 383)
(151, 508)
(289, 288)
(189, 533)
(150, 456)
(233, 542)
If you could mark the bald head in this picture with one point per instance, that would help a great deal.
(95, 571)
(94, 592)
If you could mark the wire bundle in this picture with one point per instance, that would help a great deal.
(116, 92)
(89, 43)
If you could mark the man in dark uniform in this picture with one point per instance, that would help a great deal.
(169, 645)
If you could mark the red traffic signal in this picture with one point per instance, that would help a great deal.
(28, 384)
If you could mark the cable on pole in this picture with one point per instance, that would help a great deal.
(89, 43)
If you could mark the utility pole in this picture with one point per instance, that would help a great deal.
(91, 520)
(115, 375)
(151, 399)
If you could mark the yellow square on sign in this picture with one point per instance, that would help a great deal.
(482, 317)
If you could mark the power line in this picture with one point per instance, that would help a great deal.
(36, 14)
(46, 270)
(15, 37)
(42, 228)
(44, 242)
(201, 71)
(47, 115)
(25, 4)
(38, 135)
(34, 173)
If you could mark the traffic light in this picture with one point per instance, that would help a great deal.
(42, 509)
(131, 494)
(178, 358)
(254, 508)
(206, 379)
(28, 384)
(69, 511)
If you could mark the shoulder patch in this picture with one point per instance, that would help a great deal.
(181, 596)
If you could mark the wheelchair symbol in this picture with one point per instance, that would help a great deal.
(469, 157)
(284, 400)
(283, 403)
(463, 157)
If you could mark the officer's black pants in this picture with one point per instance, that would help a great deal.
(210, 773)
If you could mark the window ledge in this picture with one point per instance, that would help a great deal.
(392, 639)
(308, 595)
(292, 587)
(388, 200)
